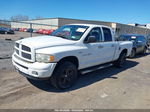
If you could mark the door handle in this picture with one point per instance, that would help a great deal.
(100, 46)
(112, 45)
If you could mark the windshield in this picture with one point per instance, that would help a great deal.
(127, 38)
(71, 32)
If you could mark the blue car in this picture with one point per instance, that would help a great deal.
(4, 30)
(148, 40)
(139, 43)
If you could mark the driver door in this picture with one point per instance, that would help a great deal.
(93, 54)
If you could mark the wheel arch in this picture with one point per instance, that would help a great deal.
(134, 48)
(124, 50)
(72, 59)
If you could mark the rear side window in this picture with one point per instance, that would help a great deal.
(141, 38)
(107, 34)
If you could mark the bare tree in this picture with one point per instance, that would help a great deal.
(39, 17)
(19, 18)
(4, 21)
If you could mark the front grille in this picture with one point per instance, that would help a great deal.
(17, 51)
(17, 45)
(25, 55)
(25, 48)
(23, 51)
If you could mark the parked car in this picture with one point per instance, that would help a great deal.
(16, 29)
(48, 32)
(148, 40)
(35, 30)
(22, 29)
(61, 56)
(29, 30)
(139, 43)
(43, 31)
(25, 30)
(40, 31)
(2, 31)
(7, 30)
(10, 31)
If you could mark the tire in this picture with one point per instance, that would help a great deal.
(121, 60)
(64, 76)
(133, 53)
(144, 51)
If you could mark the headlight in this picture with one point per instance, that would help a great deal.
(44, 58)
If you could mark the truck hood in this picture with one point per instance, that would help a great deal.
(45, 41)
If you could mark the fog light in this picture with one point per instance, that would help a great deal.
(34, 72)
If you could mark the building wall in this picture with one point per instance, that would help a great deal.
(63, 21)
(127, 29)
(117, 27)
(37, 24)
(54, 23)
(4, 25)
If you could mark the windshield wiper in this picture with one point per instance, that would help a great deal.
(61, 36)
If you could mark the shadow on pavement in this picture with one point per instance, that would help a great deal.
(141, 55)
(86, 79)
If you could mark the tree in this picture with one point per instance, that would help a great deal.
(19, 18)
(39, 17)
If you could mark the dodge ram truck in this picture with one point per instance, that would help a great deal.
(68, 51)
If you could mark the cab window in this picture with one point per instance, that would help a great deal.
(107, 34)
(141, 38)
(96, 32)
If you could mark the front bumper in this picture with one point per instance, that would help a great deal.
(34, 70)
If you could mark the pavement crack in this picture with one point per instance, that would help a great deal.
(14, 91)
(1, 58)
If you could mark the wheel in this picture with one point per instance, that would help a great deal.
(133, 52)
(144, 50)
(2, 32)
(121, 60)
(64, 76)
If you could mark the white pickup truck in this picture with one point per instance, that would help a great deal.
(67, 51)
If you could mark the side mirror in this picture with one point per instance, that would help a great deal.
(91, 39)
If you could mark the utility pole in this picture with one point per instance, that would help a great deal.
(30, 28)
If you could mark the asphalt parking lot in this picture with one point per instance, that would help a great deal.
(109, 88)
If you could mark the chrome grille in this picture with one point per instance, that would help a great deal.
(17, 51)
(23, 51)
(26, 55)
(25, 48)
(17, 45)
